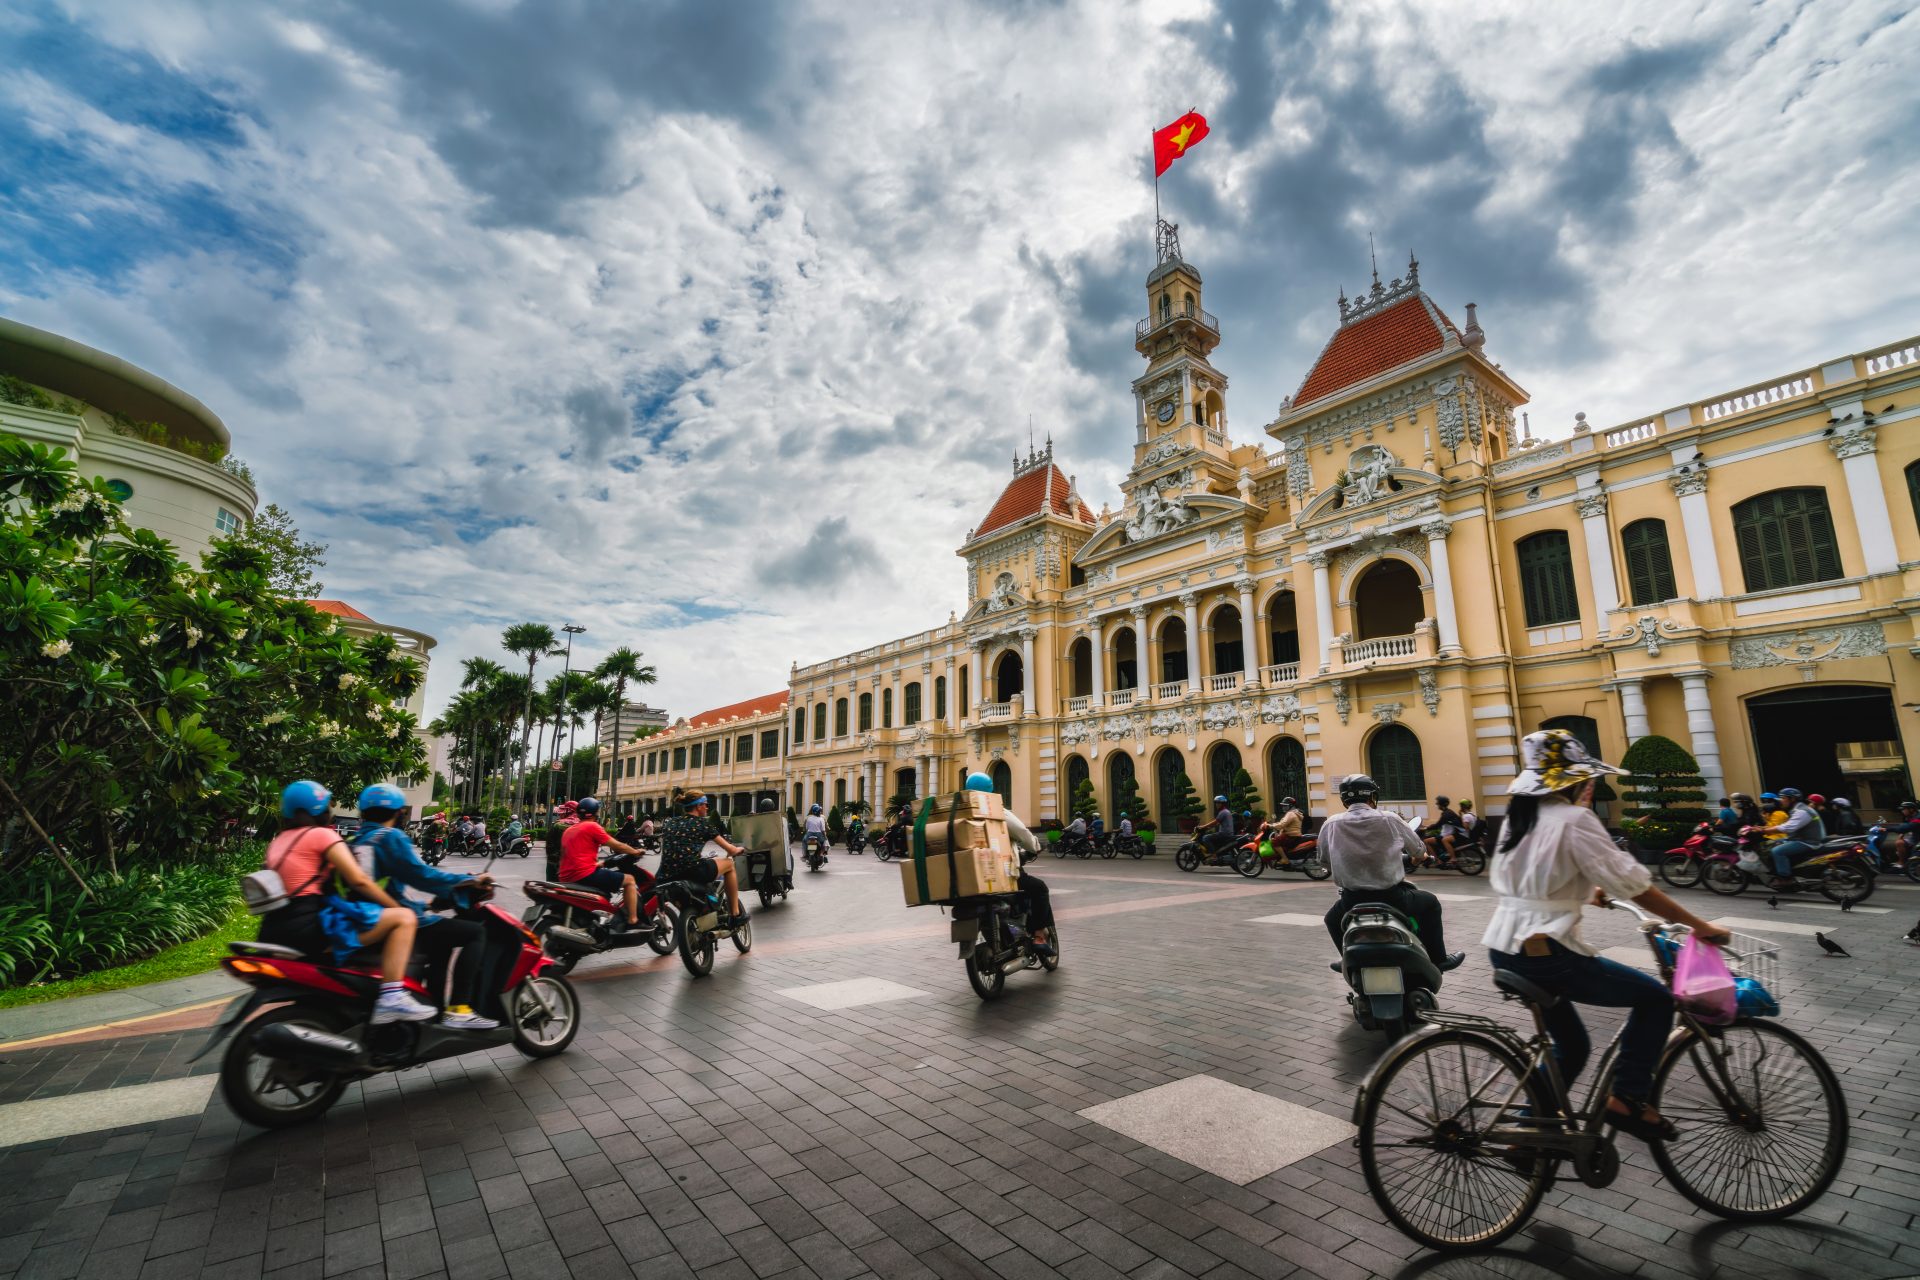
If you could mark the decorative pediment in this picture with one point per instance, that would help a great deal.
(1350, 494)
(1198, 513)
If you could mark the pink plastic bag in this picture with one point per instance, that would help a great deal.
(1702, 985)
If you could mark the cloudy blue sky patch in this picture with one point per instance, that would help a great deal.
(712, 326)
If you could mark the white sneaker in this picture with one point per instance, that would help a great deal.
(400, 1006)
(467, 1022)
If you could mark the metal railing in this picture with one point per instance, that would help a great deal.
(1199, 315)
(1280, 673)
(1379, 647)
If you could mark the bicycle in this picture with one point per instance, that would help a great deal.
(1463, 1124)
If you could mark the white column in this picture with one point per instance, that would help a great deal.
(1099, 661)
(1690, 486)
(1323, 607)
(1633, 708)
(953, 698)
(1249, 655)
(1027, 682)
(977, 690)
(1706, 743)
(1443, 613)
(1190, 605)
(1869, 501)
(1142, 661)
(1606, 589)
(899, 711)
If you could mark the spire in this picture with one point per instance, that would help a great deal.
(1379, 296)
(1373, 260)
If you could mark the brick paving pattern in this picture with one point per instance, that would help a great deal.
(717, 1128)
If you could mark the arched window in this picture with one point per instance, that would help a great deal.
(886, 708)
(1387, 600)
(939, 697)
(1168, 766)
(910, 704)
(1126, 659)
(966, 675)
(840, 718)
(1913, 488)
(840, 793)
(1009, 676)
(1283, 629)
(1393, 758)
(1166, 308)
(1121, 784)
(1649, 562)
(1002, 781)
(1785, 539)
(799, 725)
(819, 721)
(1546, 578)
(1227, 647)
(1223, 761)
(866, 712)
(1080, 657)
(1173, 649)
(1585, 728)
(1189, 304)
(1077, 773)
(1287, 772)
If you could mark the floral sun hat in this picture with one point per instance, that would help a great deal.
(1552, 760)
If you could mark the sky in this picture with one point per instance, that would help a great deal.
(713, 326)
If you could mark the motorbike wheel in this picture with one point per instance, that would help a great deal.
(1912, 868)
(697, 955)
(526, 848)
(743, 938)
(1059, 848)
(986, 982)
(1846, 883)
(1316, 869)
(1139, 851)
(545, 1015)
(766, 893)
(1188, 859)
(260, 1089)
(1470, 862)
(1249, 864)
(1680, 870)
(1724, 878)
(1109, 852)
(666, 925)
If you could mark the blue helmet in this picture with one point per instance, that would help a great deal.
(382, 795)
(1768, 795)
(305, 800)
(979, 782)
(1219, 799)
(587, 805)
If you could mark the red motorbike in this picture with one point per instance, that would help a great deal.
(573, 920)
(289, 1064)
(1682, 867)
(1303, 857)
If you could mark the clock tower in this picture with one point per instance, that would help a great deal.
(1180, 400)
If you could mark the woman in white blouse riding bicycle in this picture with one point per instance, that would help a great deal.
(1555, 857)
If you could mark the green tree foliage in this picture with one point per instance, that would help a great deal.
(154, 708)
(1085, 803)
(836, 826)
(1243, 796)
(1186, 803)
(1126, 800)
(1666, 795)
(291, 562)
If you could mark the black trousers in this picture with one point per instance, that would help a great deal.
(436, 943)
(1039, 902)
(1416, 904)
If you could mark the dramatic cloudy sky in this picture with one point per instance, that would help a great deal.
(712, 324)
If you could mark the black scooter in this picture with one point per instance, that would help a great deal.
(816, 852)
(1391, 981)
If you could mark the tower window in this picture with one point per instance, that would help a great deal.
(224, 521)
(1166, 308)
(1189, 306)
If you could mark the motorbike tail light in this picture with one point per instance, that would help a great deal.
(255, 968)
(1375, 933)
(1382, 981)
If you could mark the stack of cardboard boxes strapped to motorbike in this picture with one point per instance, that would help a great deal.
(967, 851)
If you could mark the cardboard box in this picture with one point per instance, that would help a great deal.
(970, 804)
(962, 873)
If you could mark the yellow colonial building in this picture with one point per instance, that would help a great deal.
(736, 754)
(1394, 576)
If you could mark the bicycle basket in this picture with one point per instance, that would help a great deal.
(1755, 964)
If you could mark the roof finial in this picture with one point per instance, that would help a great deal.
(1373, 261)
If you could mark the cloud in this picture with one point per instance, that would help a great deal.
(671, 316)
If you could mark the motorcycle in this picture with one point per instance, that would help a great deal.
(513, 846)
(890, 844)
(703, 921)
(994, 941)
(1304, 857)
(1195, 854)
(1391, 982)
(1683, 866)
(290, 1063)
(1129, 844)
(856, 840)
(1469, 858)
(815, 851)
(1839, 868)
(1075, 843)
(1881, 853)
(430, 840)
(573, 920)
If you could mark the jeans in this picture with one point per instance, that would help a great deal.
(1221, 844)
(1786, 852)
(1416, 904)
(1595, 980)
(435, 944)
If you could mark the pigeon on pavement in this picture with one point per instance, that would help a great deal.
(1829, 946)
(1774, 903)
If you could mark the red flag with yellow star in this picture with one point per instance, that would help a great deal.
(1170, 143)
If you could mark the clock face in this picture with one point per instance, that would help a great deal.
(1166, 411)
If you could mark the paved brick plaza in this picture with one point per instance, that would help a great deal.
(727, 1128)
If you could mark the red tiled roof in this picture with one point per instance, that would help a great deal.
(739, 710)
(1368, 347)
(1043, 488)
(339, 609)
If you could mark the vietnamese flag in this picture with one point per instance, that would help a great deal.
(1170, 143)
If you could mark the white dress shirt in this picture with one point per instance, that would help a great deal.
(1363, 847)
(1545, 879)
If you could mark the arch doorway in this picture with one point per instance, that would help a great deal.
(1387, 601)
(1002, 781)
(1009, 677)
(1081, 658)
(1168, 765)
(1287, 772)
(1223, 761)
(903, 784)
(1077, 773)
(1120, 784)
(1283, 629)
(1394, 760)
(1126, 659)
(1834, 739)
(1228, 650)
(1173, 649)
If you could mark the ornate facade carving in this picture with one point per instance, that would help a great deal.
(1388, 712)
(1165, 724)
(1411, 544)
(1219, 715)
(1369, 471)
(1075, 733)
(1448, 418)
(1156, 514)
(1593, 505)
(1688, 480)
(1117, 728)
(1342, 699)
(1280, 708)
(1430, 690)
(1815, 644)
(1852, 443)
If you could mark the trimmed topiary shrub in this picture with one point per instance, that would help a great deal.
(1666, 795)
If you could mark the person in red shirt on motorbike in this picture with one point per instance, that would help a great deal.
(580, 861)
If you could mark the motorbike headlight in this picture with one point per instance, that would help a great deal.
(1382, 981)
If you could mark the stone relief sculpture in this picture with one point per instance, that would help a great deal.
(1005, 594)
(1367, 474)
(1156, 514)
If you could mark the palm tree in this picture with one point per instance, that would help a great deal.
(530, 640)
(594, 699)
(505, 696)
(622, 666)
(477, 675)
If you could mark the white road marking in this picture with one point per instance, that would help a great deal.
(1770, 926)
(1289, 917)
(851, 993)
(1223, 1128)
(42, 1118)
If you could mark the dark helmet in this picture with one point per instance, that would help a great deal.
(587, 805)
(766, 804)
(1358, 788)
(1910, 804)
(1442, 801)
(1219, 799)
(1791, 793)
(1288, 802)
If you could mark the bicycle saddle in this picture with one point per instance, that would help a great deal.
(1515, 985)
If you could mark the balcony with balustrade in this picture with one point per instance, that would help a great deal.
(1224, 682)
(1417, 645)
(1169, 690)
(1122, 697)
(996, 710)
(1080, 705)
(1280, 673)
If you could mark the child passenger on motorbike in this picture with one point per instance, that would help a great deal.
(389, 859)
(309, 855)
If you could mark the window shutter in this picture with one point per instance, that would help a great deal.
(1546, 579)
(1394, 759)
(1913, 488)
(1649, 562)
(1785, 539)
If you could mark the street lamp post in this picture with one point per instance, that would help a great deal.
(566, 672)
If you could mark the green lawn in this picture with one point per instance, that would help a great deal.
(188, 958)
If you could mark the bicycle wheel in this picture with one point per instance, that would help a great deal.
(1423, 1115)
(1680, 870)
(1761, 1141)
